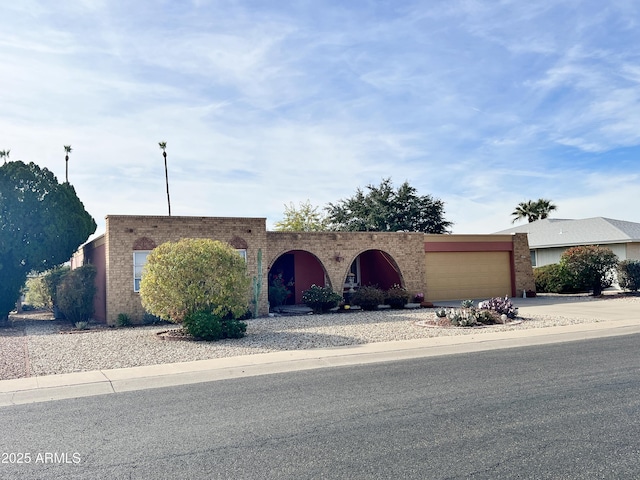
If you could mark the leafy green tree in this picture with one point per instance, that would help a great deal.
(629, 275)
(533, 210)
(385, 209)
(590, 266)
(304, 218)
(42, 223)
(194, 275)
(37, 294)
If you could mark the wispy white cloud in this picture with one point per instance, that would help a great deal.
(481, 104)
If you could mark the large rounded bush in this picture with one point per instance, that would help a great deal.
(194, 275)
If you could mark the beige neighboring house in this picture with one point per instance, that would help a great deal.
(549, 238)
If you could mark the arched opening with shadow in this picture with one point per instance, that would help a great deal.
(291, 274)
(373, 267)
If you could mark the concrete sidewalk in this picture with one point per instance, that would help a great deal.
(614, 318)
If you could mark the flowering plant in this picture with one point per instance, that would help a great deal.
(397, 296)
(320, 299)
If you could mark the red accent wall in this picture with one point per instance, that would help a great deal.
(468, 246)
(95, 254)
(308, 271)
(376, 269)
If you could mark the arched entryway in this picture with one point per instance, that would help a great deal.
(374, 267)
(296, 271)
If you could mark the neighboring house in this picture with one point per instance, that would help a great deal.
(442, 267)
(549, 238)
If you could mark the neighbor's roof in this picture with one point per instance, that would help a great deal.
(552, 232)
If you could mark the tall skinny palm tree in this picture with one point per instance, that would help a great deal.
(67, 150)
(163, 147)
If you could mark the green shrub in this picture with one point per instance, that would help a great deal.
(466, 304)
(37, 293)
(554, 279)
(150, 319)
(53, 278)
(76, 292)
(193, 275)
(278, 291)
(82, 325)
(203, 325)
(465, 317)
(123, 320)
(209, 326)
(629, 275)
(487, 317)
(41, 290)
(321, 299)
(368, 297)
(397, 296)
(233, 328)
(591, 267)
(441, 313)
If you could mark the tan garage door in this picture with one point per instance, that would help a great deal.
(467, 275)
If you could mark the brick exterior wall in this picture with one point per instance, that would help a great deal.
(337, 250)
(522, 264)
(126, 233)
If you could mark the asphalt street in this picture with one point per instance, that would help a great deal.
(564, 410)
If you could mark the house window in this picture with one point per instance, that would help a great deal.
(139, 261)
(533, 257)
(242, 252)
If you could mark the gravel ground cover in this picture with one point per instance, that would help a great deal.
(37, 347)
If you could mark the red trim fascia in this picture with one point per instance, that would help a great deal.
(468, 246)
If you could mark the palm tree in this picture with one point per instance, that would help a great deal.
(163, 147)
(533, 211)
(544, 207)
(4, 154)
(67, 149)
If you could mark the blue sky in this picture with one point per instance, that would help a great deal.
(482, 104)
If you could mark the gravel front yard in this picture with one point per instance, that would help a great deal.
(36, 347)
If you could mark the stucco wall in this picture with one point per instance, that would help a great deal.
(633, 251)
(547, 256)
